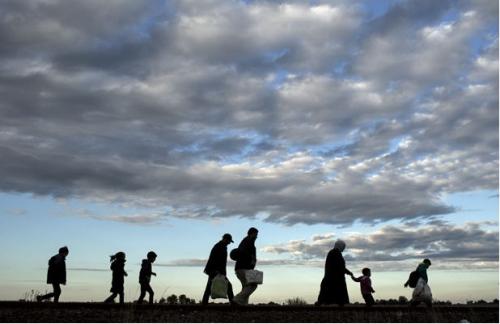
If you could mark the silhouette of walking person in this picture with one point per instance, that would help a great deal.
(216, 264)
(366, 286)
(422, 292)
(56, 275)
(247, 259)
(333, 286)
(145, 277)
(118, 279)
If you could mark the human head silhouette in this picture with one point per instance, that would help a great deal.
(118, 256)
(151, 256)
(64, 251)
(227, 238)
(253, 232)
(339, 245)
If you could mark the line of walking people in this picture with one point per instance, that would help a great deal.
(56, 276)
(333, 288)
(216, 265)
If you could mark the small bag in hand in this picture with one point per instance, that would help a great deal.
(219, 287)
(254, 276)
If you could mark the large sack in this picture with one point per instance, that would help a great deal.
(422, 292)
(219, 287)
(254, 276)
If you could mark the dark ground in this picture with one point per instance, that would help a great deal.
(99, 312)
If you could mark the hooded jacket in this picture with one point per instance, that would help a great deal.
(57, 270)
(146, 271)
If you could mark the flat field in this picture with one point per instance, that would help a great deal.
(99, 312)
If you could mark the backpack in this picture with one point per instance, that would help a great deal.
(412, 279)
(234, 254)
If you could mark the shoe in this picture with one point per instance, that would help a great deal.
(235, 303)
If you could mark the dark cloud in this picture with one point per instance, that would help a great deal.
(444, 243)
(234, 109)
(406, 15)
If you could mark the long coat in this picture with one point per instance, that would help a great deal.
(247, 254)
(118, 268)
(333, 286)
(217, 261)
(57, 270)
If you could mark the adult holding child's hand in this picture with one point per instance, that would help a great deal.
(333, 286)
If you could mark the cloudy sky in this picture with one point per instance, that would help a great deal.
(161, 125)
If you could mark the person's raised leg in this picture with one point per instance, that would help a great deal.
(240, 274)
(247, 291)
(46, 296)
(111, 298)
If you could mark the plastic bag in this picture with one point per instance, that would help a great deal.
(254, 276)
(422, 292)
(219, 287)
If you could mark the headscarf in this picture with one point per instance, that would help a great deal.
(339, 245)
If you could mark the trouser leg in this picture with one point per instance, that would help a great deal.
(368, 299)
(122, 297)
(46, 296)
(246, 289)
(230, 294)
(151, 293)
(111, 298)
(57, 291)
(206, 294)
(143, 293)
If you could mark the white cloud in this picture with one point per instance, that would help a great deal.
(305, 113)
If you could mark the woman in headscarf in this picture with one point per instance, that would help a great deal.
(333, 286)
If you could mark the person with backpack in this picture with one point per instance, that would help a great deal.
(333, 286)
(118, 267)
(216, 265)
(418, 280)
(420, 272)
(246, 260)
(56, 275)
(366, 286)
(145, 277)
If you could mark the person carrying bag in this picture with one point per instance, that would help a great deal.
(246, 259)
(218, 286)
